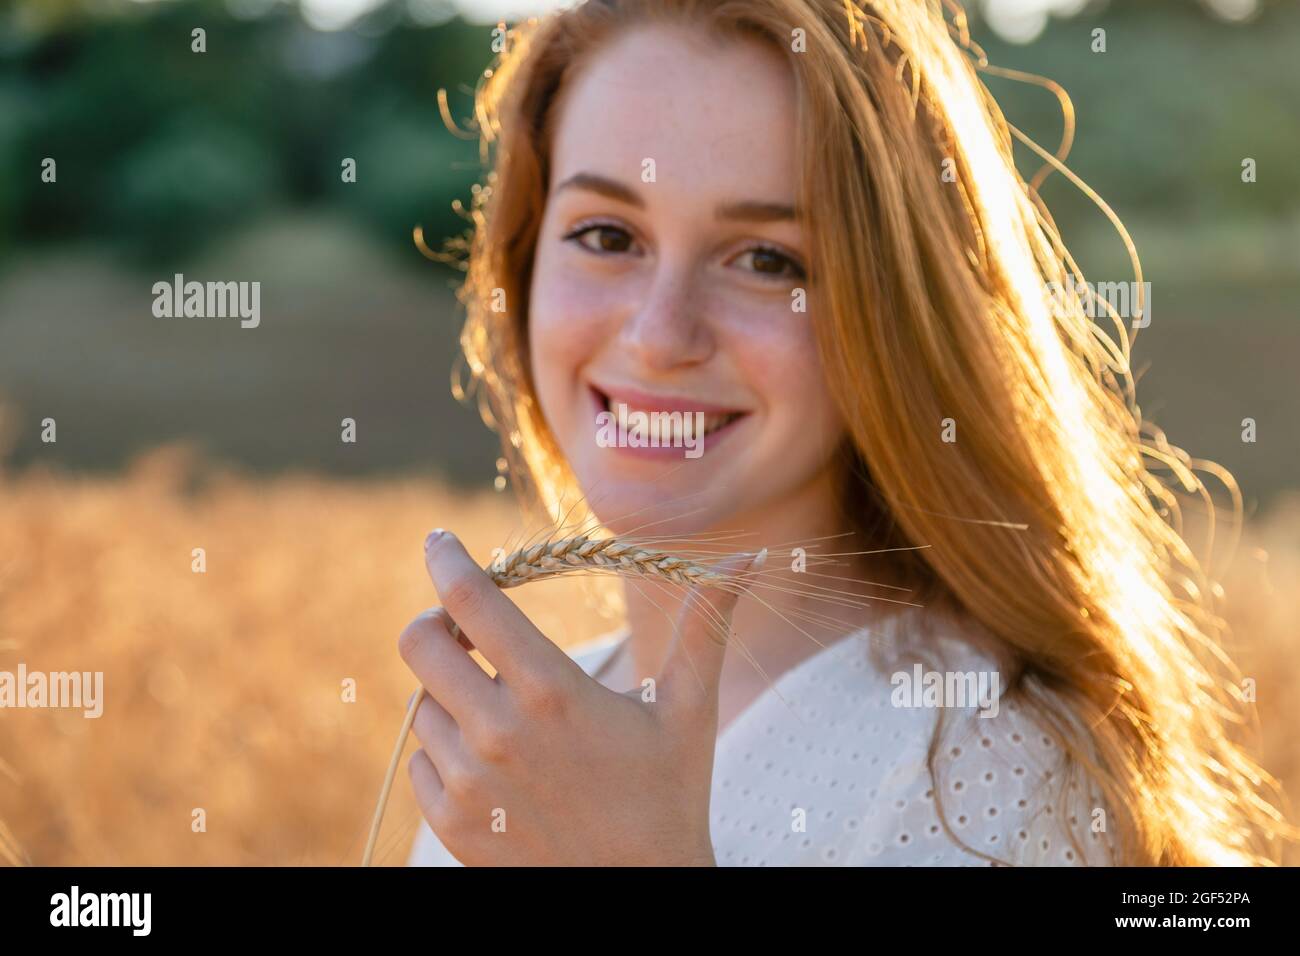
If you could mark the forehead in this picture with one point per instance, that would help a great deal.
(706, 109)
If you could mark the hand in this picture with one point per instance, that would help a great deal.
(542, 765)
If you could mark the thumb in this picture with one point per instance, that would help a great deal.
(693, 670)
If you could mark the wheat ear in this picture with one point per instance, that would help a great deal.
(549, 559)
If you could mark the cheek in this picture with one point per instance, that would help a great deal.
(781, 361)
(568, 323)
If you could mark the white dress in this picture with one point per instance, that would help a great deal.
(846, 783)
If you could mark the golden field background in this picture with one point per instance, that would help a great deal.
(223, 689)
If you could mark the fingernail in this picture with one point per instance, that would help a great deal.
(433, 536)
(759, 560)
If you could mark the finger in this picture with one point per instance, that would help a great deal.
(693, 670)
(461, 638)
(427, 784)
(437, 733)
(500, 631)
(443, 667)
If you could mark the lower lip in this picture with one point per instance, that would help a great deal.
(667, 452)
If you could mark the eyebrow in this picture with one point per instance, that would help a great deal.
(748, 210)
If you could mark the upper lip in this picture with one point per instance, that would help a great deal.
(647, 401)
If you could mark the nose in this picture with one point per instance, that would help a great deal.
(667, 330)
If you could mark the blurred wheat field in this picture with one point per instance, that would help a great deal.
(223, 691)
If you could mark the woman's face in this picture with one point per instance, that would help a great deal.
(665, 279)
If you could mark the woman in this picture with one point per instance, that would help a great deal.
(800, 219)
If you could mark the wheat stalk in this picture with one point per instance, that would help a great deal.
(599, 554)
(549, 559)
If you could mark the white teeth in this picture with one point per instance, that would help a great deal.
(671, 428)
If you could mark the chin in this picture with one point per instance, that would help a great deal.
(644, 507)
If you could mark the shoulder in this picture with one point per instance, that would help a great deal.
(1007, 788)
(998, 785)
(907, 751)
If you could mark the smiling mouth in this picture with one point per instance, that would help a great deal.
(714, 419)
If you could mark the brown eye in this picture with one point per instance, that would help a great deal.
(770, 263)
(603, 238)
(767, 261)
